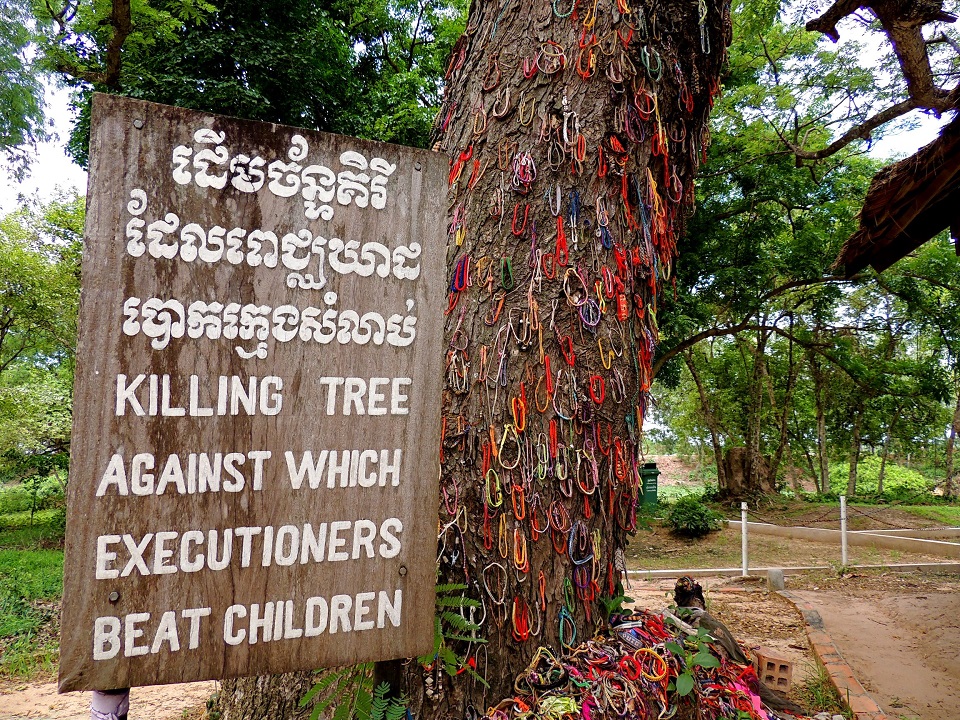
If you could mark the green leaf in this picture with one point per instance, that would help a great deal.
(343, 712)
(684, 683)
(705, 659)
(675, 648)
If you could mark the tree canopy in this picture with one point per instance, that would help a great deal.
(21, 89)
(370, 68)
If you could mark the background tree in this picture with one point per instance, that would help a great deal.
(368, 68)
(755, 278)
(39, 292)
(21, 92)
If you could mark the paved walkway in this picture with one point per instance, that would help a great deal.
(903, 650)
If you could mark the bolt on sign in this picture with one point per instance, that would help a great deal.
(255, 455)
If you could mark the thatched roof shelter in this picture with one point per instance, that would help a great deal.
(908, 203)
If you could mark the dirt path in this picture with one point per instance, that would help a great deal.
(903, 648)
(40, 701)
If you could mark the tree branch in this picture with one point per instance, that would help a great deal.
(902, 22)
(827, 23)
(122, 24)
(744, 323)
(859, 132)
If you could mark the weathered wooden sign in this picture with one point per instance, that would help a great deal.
(256, 411)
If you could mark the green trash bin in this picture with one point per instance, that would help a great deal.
(648, 479)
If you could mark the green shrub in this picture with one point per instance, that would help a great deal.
(898, 481)
(689, 517)
(46, 492)
(15, 499)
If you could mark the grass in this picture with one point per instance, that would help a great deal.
(31, 585)
(945, 514)
(818, 694)
(18, 533)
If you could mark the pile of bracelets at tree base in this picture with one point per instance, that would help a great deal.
(631, 674)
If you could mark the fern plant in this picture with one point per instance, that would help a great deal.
(451, 625)
(349, 691)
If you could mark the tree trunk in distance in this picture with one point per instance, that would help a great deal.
(949, 489)
(774, 464)
(854, 451)
(738, 482)
(709, 419)
(886, 451)
(574, 131)
(754, 411)
(823, 456)
(823, 482)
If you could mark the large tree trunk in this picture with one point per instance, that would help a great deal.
(258, 698)
(738, 483)
(574, 132)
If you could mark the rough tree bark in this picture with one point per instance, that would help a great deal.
(574, 130)
(270, 696)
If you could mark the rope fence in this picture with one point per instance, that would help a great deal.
(837, 516)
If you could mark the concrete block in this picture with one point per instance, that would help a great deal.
(774, 671)
(774, 579)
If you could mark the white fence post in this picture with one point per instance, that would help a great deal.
(743, 536)
(843, 531)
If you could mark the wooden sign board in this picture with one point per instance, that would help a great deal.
(254, 462)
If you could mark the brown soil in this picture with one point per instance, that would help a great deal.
(900, 635)
(674, 470)
(657, 548)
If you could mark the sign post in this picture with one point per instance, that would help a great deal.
(254, 462)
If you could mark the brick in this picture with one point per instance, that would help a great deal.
(863, 704)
